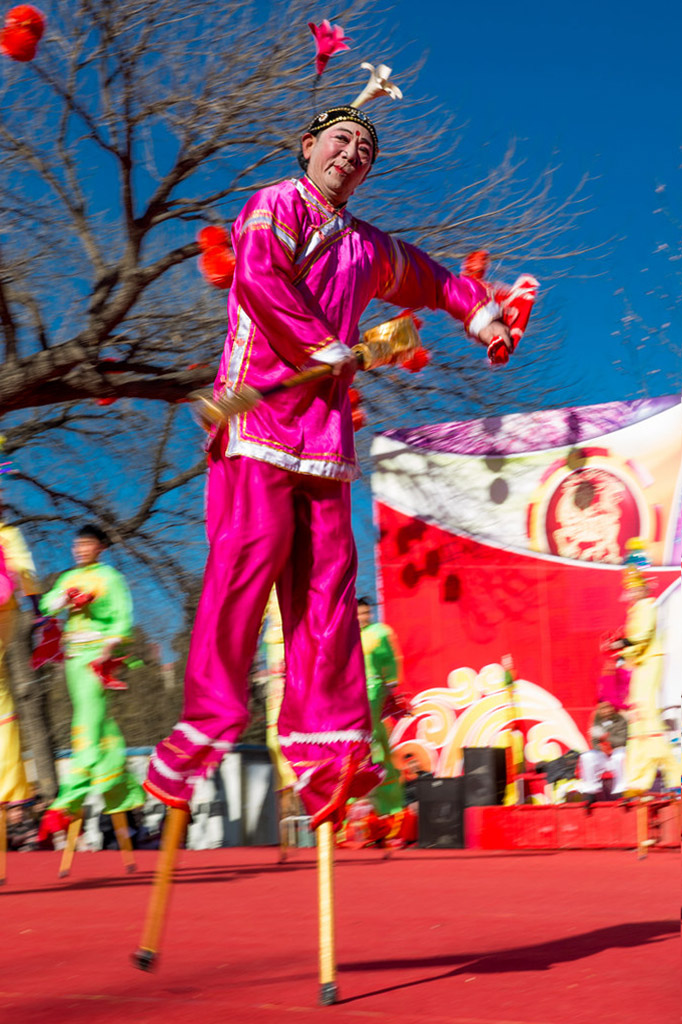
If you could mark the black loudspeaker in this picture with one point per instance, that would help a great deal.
(441, 812)
(485, 776)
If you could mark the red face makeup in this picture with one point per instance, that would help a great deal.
(339, 159)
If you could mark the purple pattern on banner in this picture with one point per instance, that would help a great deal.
(531, 431)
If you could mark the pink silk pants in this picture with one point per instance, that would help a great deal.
(267, 525)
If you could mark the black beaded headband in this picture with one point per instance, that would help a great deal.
(336, 114)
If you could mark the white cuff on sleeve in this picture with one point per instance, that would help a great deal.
(486, 314)
(333, 354)
(56, 604)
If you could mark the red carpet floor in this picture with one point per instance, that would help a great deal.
(453, 937)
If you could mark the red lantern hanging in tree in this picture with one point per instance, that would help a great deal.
(24, 26)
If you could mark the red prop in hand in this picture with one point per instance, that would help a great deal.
(516, 302)
(48, 647)
(24, 26)
(105, 669)
(77, 599)
(498, 353)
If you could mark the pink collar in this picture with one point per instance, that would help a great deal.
(316, 194)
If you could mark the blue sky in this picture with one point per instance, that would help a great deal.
(595, 87)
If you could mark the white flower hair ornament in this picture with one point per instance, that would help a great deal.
(379, 85)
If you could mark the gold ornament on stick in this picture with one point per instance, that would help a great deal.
(387, 344)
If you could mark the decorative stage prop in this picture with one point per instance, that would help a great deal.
(508, 535)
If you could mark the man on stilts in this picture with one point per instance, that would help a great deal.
(96, 601)
(648, 749)
(278, 490)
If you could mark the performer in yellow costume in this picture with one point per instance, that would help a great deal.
(273, 638)
(17, 571)
(648, 749)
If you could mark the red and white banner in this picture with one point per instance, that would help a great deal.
(507, 536)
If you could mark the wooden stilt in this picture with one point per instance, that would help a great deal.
(174, 830)
(120, 823)
(70, 848)
(325, 888)
(283, 839)
(3, 845)
(643, 840)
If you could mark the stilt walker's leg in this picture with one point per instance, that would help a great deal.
(3, 845)
(325, 881)
(174, 830)
(120, 822)
(70, 848)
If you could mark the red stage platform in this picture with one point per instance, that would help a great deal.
(448, 937)
(604, 826)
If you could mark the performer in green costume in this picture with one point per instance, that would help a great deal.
(380, 647)
(98, 606)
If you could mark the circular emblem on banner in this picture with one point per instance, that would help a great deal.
(586, 508)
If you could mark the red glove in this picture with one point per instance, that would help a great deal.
(106, 669)
(516, 303)
(48, 637)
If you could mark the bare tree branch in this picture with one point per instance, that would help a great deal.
(141, 120)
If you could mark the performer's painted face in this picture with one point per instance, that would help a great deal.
(364, 615)
(339, 159)
(86, 550)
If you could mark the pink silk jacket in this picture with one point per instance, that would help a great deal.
(305, 272)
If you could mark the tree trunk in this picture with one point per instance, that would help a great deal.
(30, 691)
